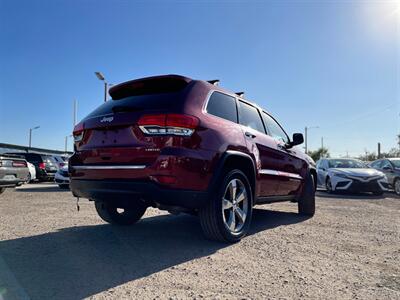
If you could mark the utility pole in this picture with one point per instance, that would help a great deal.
(74, 117)
(66, 144)
(30, 135)
(101, 77)
(379, 150)
(306, 137)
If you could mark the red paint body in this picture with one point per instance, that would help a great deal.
(191, 160)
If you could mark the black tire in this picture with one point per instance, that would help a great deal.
(306, 202)
(29, 178)
(2, 190)
(109, 213)
(396, 190)
(328, 186)
(212, 215)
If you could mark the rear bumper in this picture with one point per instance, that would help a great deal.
(128, 191)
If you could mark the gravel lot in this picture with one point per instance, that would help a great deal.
(48, 250)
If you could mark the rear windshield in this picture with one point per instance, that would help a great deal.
(48, 159)
(138, 103)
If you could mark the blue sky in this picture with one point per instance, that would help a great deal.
(334, 64)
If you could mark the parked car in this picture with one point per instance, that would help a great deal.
(13, 171)
(351, 175)
(62, 177)
(391, 168)
(60, 160)
(180, 144)
(44, 164)
(32, 172)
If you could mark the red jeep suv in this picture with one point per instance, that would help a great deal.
(187, 145)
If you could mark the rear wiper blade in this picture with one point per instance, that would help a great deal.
(121, 108)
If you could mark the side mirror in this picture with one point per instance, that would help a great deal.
(297, 139)
(387, 168)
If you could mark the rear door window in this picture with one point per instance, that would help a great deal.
(222, 106)
(250, 117)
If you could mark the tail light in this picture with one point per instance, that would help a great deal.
(168, 124)
(78, 132)
(19, 164)
(42, 165)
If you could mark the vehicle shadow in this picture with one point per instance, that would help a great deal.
(351, 196)
(78, 262)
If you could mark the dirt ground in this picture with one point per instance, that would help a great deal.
(349, 250)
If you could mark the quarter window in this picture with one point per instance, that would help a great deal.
(222, 106)
(274, 129)
(250, 117)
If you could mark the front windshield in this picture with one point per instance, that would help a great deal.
(396, 163)
(346, 163)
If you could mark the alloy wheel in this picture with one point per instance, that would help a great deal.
(235, 205)
(328, 185)
(397, 186)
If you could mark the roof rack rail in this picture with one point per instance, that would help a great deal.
(240, 94)
(214, 81)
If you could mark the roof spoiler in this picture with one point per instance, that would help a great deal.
(214, 81)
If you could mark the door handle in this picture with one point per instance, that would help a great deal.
(249, 134)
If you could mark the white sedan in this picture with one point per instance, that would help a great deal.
(344, 174)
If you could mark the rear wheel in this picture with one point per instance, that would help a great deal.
(306, 202)
(29, 178)
(120, 215)
(2, 190)
(227, 215)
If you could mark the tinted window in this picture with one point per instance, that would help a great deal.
(33, 158)
(274, 129)
(222, 106)
(346, 163)
(139, 103)
(249, 116)
(386, 164)
(376, 164)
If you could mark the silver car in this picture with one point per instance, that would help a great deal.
(391, 168)
(351, 175)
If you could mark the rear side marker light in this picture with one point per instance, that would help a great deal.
(78, 132)
(42, 166)
(168, 124)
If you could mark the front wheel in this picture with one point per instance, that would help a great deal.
(114, 214)
(2, 190)
(227, 215)
(397, 186)
(306, 202)
(328, 186)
